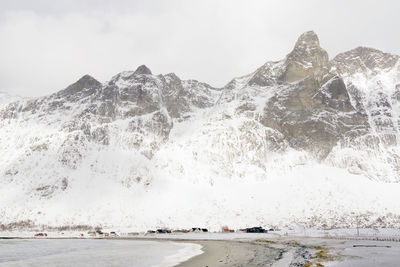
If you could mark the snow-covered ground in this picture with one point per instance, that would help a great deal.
(366, 254)
(90, 252)
(327, 194)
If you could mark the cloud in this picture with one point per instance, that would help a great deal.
(47, 46)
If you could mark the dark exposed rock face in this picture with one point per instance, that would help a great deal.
(372, 95)
(307, 58)
(86, 82)
(314, 118)
(334, 95)
(174, 95)
(142, 70)
(312, 107)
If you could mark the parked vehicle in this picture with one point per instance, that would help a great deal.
(225, 229)
(255, 230)
(99, 232)
(113, 234)
(151, 232)
(163, 231)
(197, 229)
(40, 235)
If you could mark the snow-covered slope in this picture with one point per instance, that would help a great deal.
(303, 140)
(6, 99)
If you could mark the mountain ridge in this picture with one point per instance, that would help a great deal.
(298, 134)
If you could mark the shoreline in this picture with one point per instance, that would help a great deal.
(214, 252)
(273, 250)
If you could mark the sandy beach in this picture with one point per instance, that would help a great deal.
(233, 253)
(283, 252)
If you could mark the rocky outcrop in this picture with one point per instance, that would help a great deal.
(142, 70)
(307, 58)
(372, 76)
(363, 60)
(314, 118)
(311, 105)
(85, 86)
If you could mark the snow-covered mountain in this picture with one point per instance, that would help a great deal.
(303, 140)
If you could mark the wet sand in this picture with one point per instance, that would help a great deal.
(233, 253)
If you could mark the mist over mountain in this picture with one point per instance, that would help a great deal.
(307, 140)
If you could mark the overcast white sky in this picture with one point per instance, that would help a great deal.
(46, 45)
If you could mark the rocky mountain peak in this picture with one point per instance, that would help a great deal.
(81, 88)
(142, 69)
(85, 82)
(87, 78)
(308, 40)
(306, 58)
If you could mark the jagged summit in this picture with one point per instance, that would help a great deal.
(142, 69)
(82, 88)
(308, 40)
(307, 50)
(85, 82)
(306, 58)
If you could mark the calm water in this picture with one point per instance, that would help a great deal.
(92, 252)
